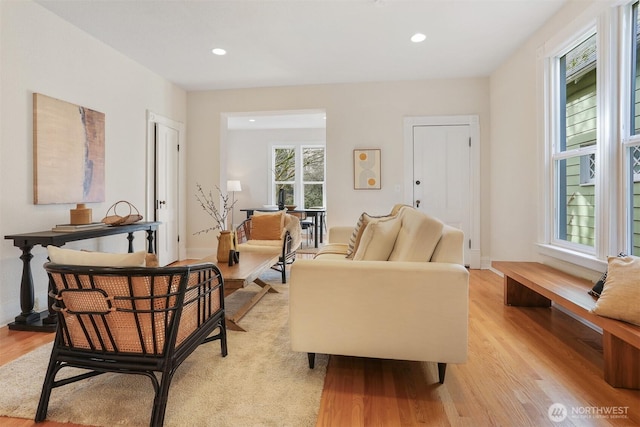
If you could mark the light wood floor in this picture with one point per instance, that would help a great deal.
(521, 361)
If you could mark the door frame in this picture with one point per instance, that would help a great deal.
(473, 122)
(150, 204)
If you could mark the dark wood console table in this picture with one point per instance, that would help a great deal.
(28, 319)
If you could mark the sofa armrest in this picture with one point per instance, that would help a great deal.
(340, 234)
(395, 310)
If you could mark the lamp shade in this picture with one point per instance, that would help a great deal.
(233, 186)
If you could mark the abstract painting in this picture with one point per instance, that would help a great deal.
(366, 169)
(68, 152)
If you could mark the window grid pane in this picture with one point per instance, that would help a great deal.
(575, 174)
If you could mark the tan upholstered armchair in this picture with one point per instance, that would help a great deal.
(276, 232)
(132, 320)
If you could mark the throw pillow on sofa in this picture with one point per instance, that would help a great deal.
(620, 297)
(361, 224)
(377, 240)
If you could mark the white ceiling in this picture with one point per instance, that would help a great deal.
(295, 42)
(300, 119)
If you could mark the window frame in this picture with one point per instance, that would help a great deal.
(298, 183)
(606, 27)
(627, 137)
(324, 173)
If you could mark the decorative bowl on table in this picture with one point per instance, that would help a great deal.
(290, 207)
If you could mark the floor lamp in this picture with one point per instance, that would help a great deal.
(232, 187)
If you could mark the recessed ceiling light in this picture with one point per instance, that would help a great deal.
(418, 37)
(218, 51)
(252, 120)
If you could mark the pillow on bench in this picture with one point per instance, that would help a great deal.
(597, 288)
(620, 297)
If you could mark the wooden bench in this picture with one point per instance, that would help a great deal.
(531, 284)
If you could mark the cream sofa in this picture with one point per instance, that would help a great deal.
(411, 305)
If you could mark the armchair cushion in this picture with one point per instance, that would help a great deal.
(267, 226)
(98, 259)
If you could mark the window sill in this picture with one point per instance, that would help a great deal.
(573, 257)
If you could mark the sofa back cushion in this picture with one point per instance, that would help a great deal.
(450, 247)
(417, 238)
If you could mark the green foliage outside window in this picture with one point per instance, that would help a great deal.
(311, 179)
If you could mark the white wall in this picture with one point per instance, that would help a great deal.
(363, 115)
(41, 53)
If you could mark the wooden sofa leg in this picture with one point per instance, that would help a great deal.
(312, 360)
(442, 369)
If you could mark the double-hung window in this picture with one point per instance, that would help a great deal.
(631, 136)
(592, 143)
(299, 170)
(574, 144)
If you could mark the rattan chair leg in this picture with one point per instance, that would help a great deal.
(160, 400)
(47, 386)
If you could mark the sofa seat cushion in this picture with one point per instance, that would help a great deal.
(417, 238)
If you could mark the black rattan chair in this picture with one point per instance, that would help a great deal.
(143, 321)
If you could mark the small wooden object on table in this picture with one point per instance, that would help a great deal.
(238, 276)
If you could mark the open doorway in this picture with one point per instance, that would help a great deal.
(249, 142)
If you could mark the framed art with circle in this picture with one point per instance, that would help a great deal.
(366, 169)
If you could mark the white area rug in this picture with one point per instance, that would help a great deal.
(260, 383)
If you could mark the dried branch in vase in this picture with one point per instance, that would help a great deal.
(209, 206)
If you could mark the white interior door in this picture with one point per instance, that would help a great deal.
(441, 175)
(166, 189)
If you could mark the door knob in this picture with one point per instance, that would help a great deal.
(417, 203)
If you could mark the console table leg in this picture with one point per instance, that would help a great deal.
(130, 239)
(26, 289)
(150, 249)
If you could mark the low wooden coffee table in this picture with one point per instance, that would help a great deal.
(251, 265)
